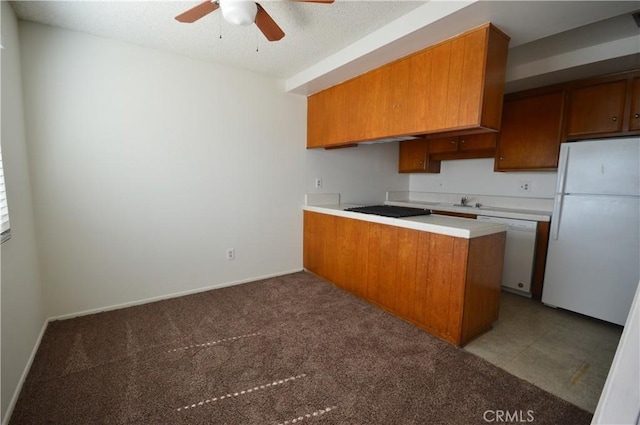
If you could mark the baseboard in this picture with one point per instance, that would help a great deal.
(23, 377)
(169, 296)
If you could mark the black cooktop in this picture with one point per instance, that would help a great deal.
(390, 211)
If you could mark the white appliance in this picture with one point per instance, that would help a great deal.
(593, 261)
(519, 253)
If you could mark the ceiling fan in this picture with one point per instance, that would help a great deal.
(240, 12)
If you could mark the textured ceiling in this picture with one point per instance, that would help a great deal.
(313, 31)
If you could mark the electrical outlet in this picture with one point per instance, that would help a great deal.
(524, 186)
(231, 253)
(318, 183)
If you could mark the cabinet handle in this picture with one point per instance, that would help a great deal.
(636, 116)
(462, 141)
(453, 142)
(614, 119)
(502, 158)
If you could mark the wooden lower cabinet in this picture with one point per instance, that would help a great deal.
(448, 286)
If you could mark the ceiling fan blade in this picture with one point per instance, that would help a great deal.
(314, 1)
(197, 12)
(267, 25)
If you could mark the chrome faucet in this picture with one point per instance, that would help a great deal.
(463, 201)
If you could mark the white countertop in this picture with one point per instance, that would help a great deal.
(440, 224)
(514, 213)
(518, 208)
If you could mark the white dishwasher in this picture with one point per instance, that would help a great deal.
(519, 253)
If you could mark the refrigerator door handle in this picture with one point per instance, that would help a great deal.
(562, 168)
(555, 216)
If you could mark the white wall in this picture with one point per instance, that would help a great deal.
(147, 165)
(22, 309)
(476, 176)
(362, 175)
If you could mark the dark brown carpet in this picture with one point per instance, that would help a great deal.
(292, 349)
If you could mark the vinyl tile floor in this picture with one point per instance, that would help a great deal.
(564, 353)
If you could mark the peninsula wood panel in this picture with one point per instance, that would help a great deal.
(421, 304)
(348, 257)
(406, 268)
(482, 296)
(437, 292)
(382, 263)
(319, 232)
(422, 277)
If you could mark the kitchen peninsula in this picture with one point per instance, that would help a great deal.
(442, 274)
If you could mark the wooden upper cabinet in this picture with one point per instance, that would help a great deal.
(596, 109)
(634, 116)
(456, 85)
(462, 147)
(396, 79)
(531, 132)
(414, 157)
(420, 67)
(477, 142)
(327, 131)
(443, 145)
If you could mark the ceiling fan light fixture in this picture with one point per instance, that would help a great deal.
(239, 12)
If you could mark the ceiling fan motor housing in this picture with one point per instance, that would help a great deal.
(238, 12)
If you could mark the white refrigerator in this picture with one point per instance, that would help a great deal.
(593, 261)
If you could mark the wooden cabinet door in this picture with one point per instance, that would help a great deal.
(374, 103)
(412, 156)
(419, 110)
(531, 133)
(438, 86)
(397, 112)
(443, 144)
(596, 109)
(477, 142)
(319, 108)
(334, 120)
(454, 83)
(634, 119)
(356, 105)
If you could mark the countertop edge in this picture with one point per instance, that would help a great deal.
(416, 223)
